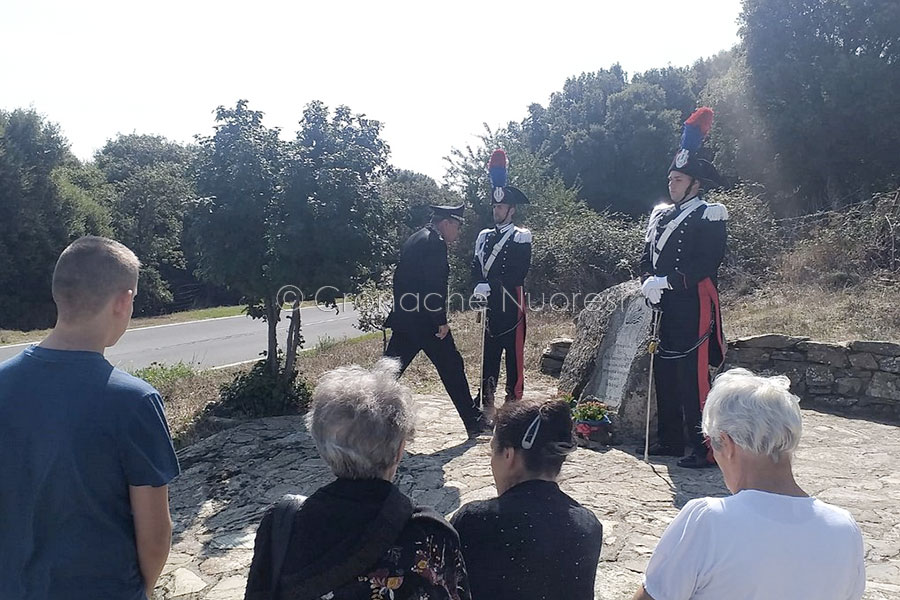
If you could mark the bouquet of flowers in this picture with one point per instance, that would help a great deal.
(592, 422)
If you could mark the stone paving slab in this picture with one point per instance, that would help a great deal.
(229, 479)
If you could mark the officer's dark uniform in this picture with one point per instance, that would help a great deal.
(505, 329)
(420, 308)
(686, 244)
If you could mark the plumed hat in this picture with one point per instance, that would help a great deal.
(501, 192)
(687, 160)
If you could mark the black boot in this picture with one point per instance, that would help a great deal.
(660, 449)
(479, 427)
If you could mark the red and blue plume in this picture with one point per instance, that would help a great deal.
(497, 168)
(696, 128)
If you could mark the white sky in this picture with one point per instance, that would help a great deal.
(431, 72)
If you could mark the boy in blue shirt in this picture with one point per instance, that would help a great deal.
(85, 450)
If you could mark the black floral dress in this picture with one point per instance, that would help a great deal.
(406, 553)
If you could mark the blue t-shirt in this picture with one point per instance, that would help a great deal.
(74, 434)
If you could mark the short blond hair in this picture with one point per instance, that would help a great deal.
(89, 273)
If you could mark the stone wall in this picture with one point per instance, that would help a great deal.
(554, 355)
(855, 377)
(861, 377)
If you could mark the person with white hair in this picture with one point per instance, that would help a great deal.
(358, 537)
(770, 539)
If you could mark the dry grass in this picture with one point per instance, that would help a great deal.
(421, 375)
(187, 398)
(864, 312)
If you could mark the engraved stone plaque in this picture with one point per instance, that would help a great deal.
(610, 360)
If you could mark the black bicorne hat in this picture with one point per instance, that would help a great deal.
(508, 195)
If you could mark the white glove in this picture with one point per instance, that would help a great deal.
(653, 296)
(653, 287)
(482, 289)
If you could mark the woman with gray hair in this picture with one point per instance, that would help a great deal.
(770, 539)
(359, 537)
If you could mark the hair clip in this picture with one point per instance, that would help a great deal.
(531, 432)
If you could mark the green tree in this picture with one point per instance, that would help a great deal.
(239, 180)
(739, 138)
(152, 190)
(643, 136)
(575, 249)
(306, 213)
(570, 133)
(43, 209)
(122, 157)
(610, 138)
(677, 83)
(148, 211)
(826, 75)
(333, 228)
(407, 196)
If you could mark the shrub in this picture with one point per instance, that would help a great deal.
(374, 301)
(840, 248)
(754, 238)
(261, 393)
(325, 343)
(584, 255)
(159, 375)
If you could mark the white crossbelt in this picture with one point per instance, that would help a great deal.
(657, 246)
(487, 264)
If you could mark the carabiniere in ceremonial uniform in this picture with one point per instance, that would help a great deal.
(501, 262)
(685, 244)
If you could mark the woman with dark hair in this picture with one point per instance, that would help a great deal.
(532, 541)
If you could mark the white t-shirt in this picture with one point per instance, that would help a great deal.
(758, 546)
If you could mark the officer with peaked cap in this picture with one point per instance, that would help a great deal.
(418, 320)
(685, 244)
(501, 262)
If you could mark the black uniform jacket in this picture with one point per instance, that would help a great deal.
(689, 242)
(420, 284)
(507, 273)
(693, 250)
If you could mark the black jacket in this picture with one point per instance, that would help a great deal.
(532, 543)
(690, 256)
(420, 284)
(353, 539)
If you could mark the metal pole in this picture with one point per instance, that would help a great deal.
(482, 315)
(652, 348)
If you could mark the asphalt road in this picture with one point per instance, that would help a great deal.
(217, 342)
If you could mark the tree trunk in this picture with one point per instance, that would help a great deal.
(272, 316)
(293, 341)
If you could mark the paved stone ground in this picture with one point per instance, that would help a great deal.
(229, 479)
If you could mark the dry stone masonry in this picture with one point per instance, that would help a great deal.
(861, 377)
